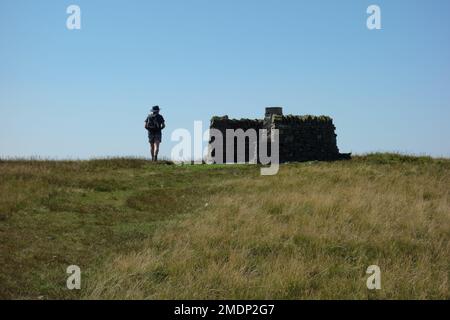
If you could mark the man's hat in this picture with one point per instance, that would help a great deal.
(155, 108)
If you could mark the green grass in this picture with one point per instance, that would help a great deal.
(144, 230)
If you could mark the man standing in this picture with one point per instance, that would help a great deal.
(154, 124)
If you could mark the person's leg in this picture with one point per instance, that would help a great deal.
(156, 149)
(152, 151)
(151, 140)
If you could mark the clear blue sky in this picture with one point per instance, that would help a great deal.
(86, 93)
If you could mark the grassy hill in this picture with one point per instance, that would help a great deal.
(143, 230)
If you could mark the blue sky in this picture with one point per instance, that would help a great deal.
(85, 93)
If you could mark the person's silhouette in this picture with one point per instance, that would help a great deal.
(154, 125)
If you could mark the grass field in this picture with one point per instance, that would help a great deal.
(143, 230)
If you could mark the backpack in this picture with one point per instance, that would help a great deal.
(153, 122)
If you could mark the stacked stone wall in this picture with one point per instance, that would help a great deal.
(224, 123)
(301, 138)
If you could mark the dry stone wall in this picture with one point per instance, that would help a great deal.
(301, 138)
(224, 123)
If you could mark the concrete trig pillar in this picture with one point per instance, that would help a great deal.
(273, 110)
(270, 111)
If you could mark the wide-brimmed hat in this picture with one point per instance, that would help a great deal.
(155, 108)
